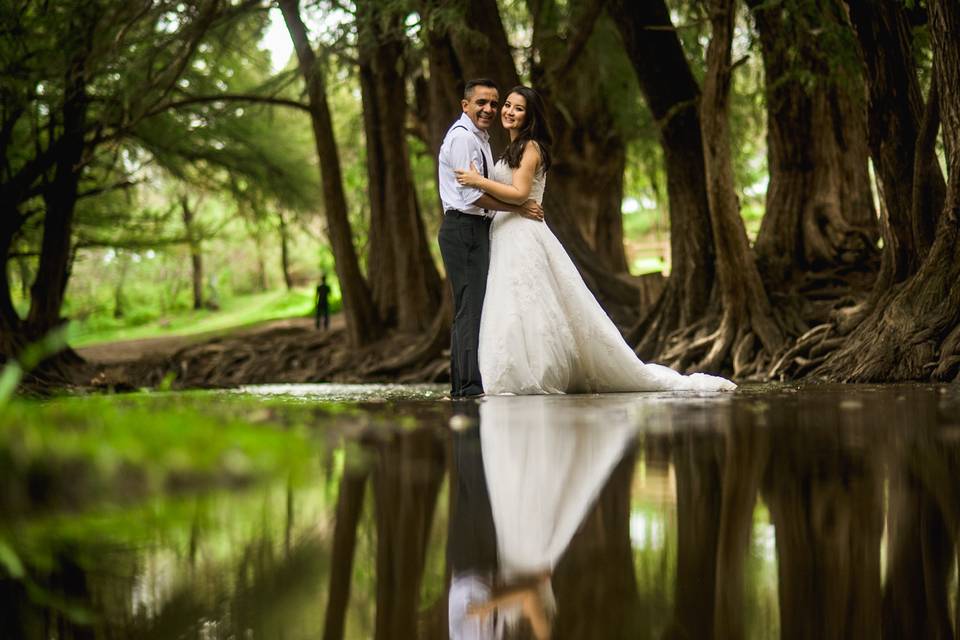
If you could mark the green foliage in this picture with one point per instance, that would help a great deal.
(103, 448)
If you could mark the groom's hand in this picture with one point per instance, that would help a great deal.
(531, 209)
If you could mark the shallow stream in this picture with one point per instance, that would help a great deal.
(391, 512)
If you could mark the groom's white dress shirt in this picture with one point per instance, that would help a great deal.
(464, 143)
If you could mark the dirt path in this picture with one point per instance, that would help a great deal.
(132, 350)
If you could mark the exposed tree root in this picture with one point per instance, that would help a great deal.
(288, 355)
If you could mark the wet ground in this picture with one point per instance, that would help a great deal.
(771, 512)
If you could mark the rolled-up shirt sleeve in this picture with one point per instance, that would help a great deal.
(464, 151)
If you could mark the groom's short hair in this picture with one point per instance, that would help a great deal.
(478, 82)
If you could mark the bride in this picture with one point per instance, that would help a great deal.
(541, 330)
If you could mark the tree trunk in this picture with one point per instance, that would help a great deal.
(819, 210)
(445, 84)
(588, 151)
(402, 274)
(60, 199)
(285, 250)
(746, 311)
(916, 335)
(361, 315)
(483, 51)
(895, 110)
(196, 254)
(672, 94)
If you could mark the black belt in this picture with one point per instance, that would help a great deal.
(460, 214)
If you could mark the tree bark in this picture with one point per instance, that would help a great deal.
(589, 153)
(483, 51)
(916, 334)
(446, 80)
(404, 280)
(745, 307)
(196, 255)
(895, 110)
(363, 325)
(672, 94)
(819, 210)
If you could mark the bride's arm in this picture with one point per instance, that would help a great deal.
(515, 193)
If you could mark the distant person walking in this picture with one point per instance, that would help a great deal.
(323, 304)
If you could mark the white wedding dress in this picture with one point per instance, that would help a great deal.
(542, 331)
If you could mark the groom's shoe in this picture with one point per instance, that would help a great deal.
(470, 391)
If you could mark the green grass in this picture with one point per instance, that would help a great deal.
(235, 312)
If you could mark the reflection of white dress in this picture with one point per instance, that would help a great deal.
(545, 460)
(542, 331)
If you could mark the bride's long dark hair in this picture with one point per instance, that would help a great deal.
(535, 127)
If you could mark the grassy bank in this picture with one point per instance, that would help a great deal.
(235, 312)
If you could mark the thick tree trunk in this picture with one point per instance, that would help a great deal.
(819, 211)
(916, 335)
(363, 324)
(402, 275)
(746, 311)
(589, 153)
(483, 51)
(445, 84)
(672, 94)
(895, 111)
(196, 254)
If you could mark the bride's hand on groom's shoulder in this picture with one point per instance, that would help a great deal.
(468, 177)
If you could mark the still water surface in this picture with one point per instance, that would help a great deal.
(772, 512)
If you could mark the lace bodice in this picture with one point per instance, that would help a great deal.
(503, 174)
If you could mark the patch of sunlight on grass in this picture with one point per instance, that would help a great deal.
(236, 312)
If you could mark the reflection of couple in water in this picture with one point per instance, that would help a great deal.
(522, 483)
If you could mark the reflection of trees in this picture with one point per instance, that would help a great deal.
(407, 474)
(349, 507)
(824, 495)
(922, 526)
(594, 582)
(746, 450)
(697, 471)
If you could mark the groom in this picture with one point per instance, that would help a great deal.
(465, 232)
